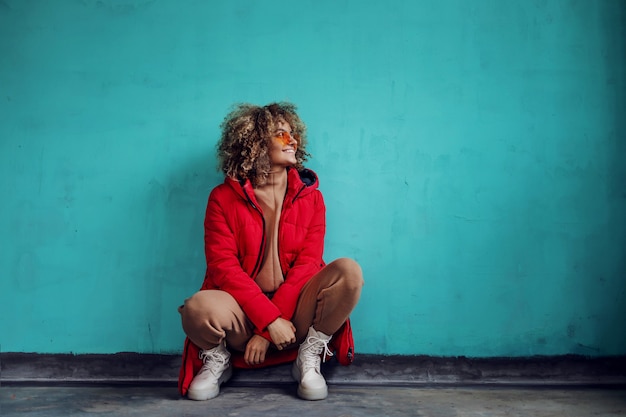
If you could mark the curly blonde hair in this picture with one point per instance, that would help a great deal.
(243, 148)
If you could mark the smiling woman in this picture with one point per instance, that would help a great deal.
(243, 150)
(267, 297)
(283, 147)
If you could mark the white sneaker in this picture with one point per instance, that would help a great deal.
(306, 368)
(215, 371)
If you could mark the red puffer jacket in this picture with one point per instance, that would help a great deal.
(234, 245)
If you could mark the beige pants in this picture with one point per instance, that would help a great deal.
(325, 303)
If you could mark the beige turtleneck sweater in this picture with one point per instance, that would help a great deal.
(270, 197)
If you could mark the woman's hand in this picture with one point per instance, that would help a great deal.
(256, 349)
(282, 332)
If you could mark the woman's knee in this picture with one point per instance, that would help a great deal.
(203, 304)
(350, 270)
(196, 302)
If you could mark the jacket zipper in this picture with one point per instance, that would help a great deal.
(257, 265)
(280, 224)
(298, 194)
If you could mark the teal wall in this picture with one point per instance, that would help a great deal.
(471, 154)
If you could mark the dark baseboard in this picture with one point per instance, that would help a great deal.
(152, 369)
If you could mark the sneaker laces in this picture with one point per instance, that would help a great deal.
(213, 360)
(314, 346)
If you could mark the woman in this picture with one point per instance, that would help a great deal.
(267, 290)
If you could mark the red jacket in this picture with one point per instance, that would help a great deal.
(235, 240)
(234, 244)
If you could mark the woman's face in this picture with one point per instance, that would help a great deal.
(282, 147)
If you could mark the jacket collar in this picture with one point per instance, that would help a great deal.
(299, 183)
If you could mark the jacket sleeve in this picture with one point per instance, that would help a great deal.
(224, 269)
(307, 263)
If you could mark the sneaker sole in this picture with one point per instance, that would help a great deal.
(308, 393)
(203, 395)
(312, 395)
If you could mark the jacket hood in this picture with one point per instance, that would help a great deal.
(308, 178)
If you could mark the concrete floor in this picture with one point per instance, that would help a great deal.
(145, 385)
(343, 401)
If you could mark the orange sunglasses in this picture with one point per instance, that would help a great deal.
(285, 137)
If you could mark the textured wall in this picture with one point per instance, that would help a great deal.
(471, 154)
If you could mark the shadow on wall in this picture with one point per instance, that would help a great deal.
(617, 214)
(174, 263)
(615, 231)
